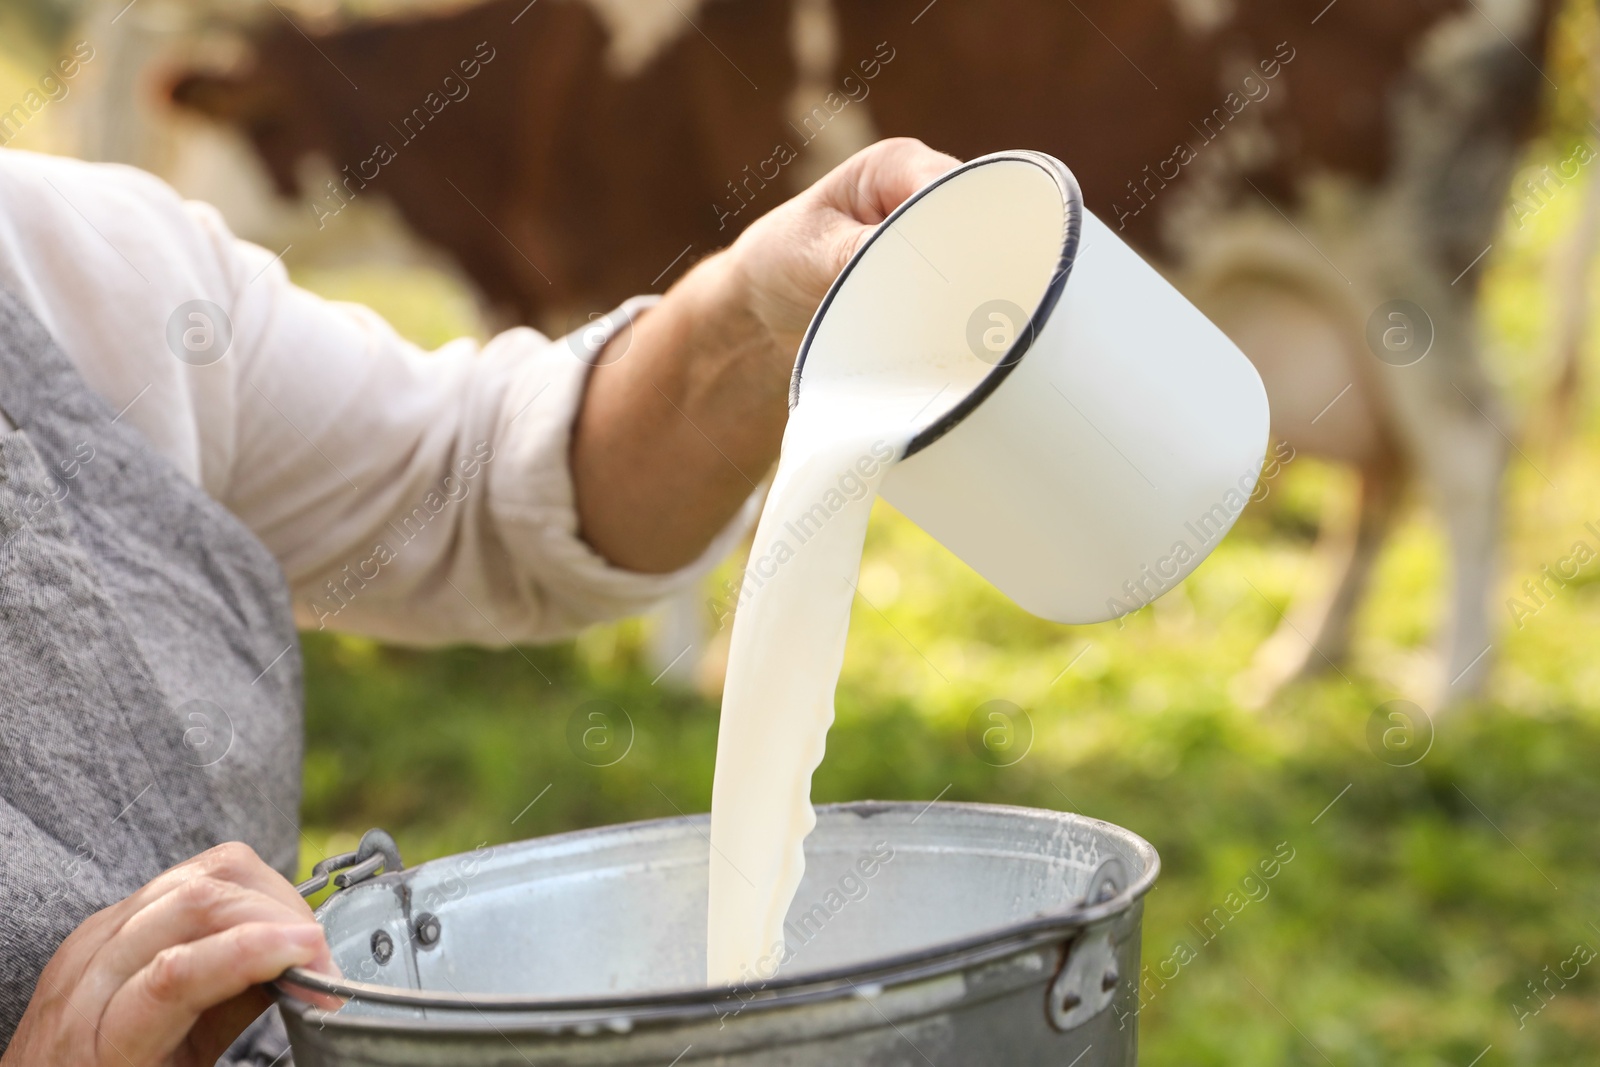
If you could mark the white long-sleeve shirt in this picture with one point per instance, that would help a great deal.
(413, 496)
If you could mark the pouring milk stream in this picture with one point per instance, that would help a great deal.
(788, 647)
(1063, 437)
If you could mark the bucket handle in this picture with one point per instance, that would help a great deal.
(1088, 980)
(377, 851)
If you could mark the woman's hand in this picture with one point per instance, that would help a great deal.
(685, 411)
(790, 256)
(170, 976)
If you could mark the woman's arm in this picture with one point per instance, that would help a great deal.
(681, 419)
(490, 493)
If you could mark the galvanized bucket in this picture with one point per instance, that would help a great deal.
(922, 934)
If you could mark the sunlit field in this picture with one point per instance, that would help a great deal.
(1421, 910)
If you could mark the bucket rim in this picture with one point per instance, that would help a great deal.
(1071, 237)
(295, 987)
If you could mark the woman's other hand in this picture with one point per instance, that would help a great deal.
(170, 976)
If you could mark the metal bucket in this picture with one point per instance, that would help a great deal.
(922, 934)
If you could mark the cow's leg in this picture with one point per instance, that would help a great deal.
(678, 640)
(1457, 438)
(1330, 627)
(1315, 636)
(1463, 460)
(1472, 515)
(1325, 403)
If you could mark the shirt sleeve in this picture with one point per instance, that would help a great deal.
(419, 497)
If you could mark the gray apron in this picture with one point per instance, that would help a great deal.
(150, 690)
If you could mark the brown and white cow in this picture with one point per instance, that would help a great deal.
(508, 134)
(1324, 178)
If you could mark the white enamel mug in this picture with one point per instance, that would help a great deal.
(1098, 435)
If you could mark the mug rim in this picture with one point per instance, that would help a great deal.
(1072, 233)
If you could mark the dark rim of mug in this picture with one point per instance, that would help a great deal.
(296, 987)
(1072, 231)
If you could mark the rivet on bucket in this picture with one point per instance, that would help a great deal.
(427, 929)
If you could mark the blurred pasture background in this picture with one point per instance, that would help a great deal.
(1423, 903)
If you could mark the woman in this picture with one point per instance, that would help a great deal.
(196, 455)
